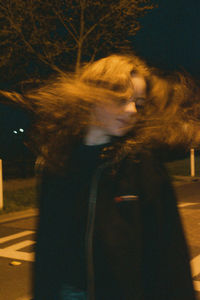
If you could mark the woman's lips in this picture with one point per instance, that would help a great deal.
(124, 123)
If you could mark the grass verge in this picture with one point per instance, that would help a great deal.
(19, 194)
(182, 167)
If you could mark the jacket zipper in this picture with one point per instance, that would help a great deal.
(90, 231)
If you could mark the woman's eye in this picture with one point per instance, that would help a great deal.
(139, 103)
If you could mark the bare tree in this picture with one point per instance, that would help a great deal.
(61, 32)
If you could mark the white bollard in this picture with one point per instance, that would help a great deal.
(1, 185)
(192, 162)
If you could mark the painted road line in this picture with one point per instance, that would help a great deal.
(187, 204)
(195, 269)
(25, 298)
(196, 285)
(14, 254)
(195, 265)
(20, 245)
(15, 236)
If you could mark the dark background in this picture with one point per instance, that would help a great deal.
(170, 36)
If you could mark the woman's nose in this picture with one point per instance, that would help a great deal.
(131, 108)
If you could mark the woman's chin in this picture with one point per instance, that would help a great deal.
(120, 132)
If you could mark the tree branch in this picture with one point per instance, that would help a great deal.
(80, 42)
(31, 49)
(95, 25)
(73, 34)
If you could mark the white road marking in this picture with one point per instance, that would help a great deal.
(20, 245)
(25, 298)
(13, 250)
(14, 254)
(195, 269)
(15, 236)
(186, 204)
(195, 265)
(196, 285)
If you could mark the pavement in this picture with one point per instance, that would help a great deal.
(23, 214)
(188, 195)
(17, 234)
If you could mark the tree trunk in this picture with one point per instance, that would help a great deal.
(80, 44)
(78, 60)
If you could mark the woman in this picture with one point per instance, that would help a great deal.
(109, 227)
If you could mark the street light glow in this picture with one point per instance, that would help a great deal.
(14, 131)
(21, 130)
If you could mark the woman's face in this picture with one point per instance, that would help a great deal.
(116, 119)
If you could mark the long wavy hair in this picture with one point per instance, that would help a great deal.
(63, 108)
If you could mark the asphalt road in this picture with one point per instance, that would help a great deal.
(189, 208)
(17, 241)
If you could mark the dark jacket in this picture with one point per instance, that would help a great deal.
(139, 248)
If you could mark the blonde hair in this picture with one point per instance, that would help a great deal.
(62, 108)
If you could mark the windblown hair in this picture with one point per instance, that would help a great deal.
(63, 109)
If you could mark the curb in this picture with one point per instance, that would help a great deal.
(182, 180)
(12, 216)
(185, 178)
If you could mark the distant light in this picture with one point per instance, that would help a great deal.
(14, 131)
(21, 130)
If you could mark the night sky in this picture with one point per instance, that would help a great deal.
(169, 38)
